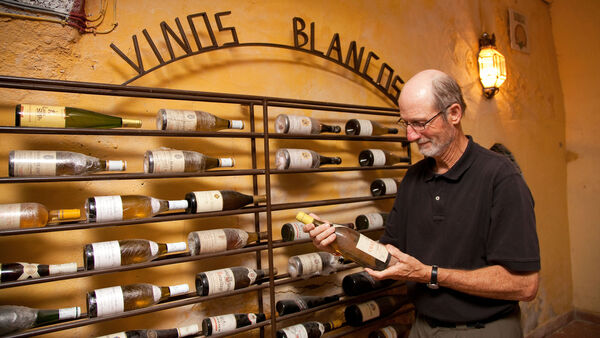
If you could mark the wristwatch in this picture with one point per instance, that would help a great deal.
(433, 284)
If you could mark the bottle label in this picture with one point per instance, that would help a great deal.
(369, 310)
(300, 158)
(296, 331)
(115, 335)
(106, 254)
(182, 120)
(299, 231)
(311, 263)
(375, 220)
(42, 116)
(366, 127)
(223, 323)
(188, 330)
(378, 156)
(220, 281)
(10, 216)
(109, 300)
(236, 124)
(252, 318)
(116, 165)
(391, 187)
(29, 271)
(301, 303)
(299, 125)
(69, 313)
(389, 332)
(55, 269)
(174, 247)
(226, 162)
(206, 201)
(370, 247)
(212, 240)
(156, 293)
(109, 208)
(168, 161)
(155, 205)
(34, 163)
(153, 248)
(176, 290)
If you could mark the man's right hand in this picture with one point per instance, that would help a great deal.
(322, 235)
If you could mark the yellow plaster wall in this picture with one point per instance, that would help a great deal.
(527, 116)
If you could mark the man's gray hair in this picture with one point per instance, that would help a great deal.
(447, 92)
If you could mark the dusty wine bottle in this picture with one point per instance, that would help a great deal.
(374, 220)
(32, 215)
(102, 255)
(117, 299)
(391, 331)
(118, 208)
(367, 128)
(30, 115)
(57, 163)
(311, 329)
(302, 159)
(15, 318)
(185, 331)
(182, 161)
(229, 279)
(219, 240)
(357, 314)
(193, 120)
(315, 263)
(302, 125)
(378, 157)
(301, 303)
(219, 200)
(359, 283)
(354, 245)
(293, 231)
(384, 186)
(10, 272)
(230, 322)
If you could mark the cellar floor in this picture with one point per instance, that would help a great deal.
(579, 329)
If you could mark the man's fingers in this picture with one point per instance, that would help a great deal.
(395, 251)
(308, 227)
(323, 233)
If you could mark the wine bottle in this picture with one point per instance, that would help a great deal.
(357, 314)
(315, 263)
(359, 283)
(102, 255)
(15, 318)
(302, 125)
(367, 128)
(378, 157)
(57, 163)
(185, 331)
(218, 240)
(302, 159)
(117, 299)
(229, 279)
(182, 161)
(230, 322)
(10, 272)
(219, 200)
(374, 220)
(118, 208)
(32, 215)
(311, 329)
(29, 115)
(293, 231)
(384, 186)
(354, 245)
(391, 331)
(193, 120)
(301, 303)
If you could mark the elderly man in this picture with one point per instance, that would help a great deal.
(462, 227)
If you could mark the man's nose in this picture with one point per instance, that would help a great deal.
(411, 134)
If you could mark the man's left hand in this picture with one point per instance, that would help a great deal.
(403, 267)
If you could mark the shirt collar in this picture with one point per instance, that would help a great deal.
(459, 168)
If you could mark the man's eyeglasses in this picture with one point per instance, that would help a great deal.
(419, 126)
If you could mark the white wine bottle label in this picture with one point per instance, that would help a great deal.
(223, 323)
(389, 332)
(10, 216)
(311, 263)
(106, 254)
(176, 290)
(56, 269)
(378, 156)
(178, 204)
(109, 208)
(369, 310)
(181, 120)
(226, 162)
(174, 247)
(370, 247)
(69, 313)
(168, 161)
(212, 241)
(236, 124)
(366, 127)
(299, 231)
(300, 158)
(299, 125)
(153, 248)
(115, 335)
(375, 220)
(391, 187)
(42, 116)
(109, 300)
(296, 331)
(252, 318)
(252, 275)
(34, 163)
(29, 271)
(220, 281)
(188, 330)
(116, 165)
(206, 201)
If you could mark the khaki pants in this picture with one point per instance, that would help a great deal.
(507, 327)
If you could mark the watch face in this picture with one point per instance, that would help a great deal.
(433, 286)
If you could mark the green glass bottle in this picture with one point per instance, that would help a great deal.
(30, 115)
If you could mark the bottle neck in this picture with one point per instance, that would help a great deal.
(63, 215)
(259, 199)
(176, 205)
(329, 160)
(54, 315)
(256, 236)
(130, 123)
(325, 128)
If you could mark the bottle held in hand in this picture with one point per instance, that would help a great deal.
(286, 158)
(316, 263)
(182, 161)
(218, 240)
(22, 163)
(33, 215)
(29, 115)
(384, 186)
(230, 322)
(102, 255)
(193, 120)
(15, 318)
(118, 208)
(302, 125)
(229, 279)
(367, 128)
(378, 157)
(219, 200)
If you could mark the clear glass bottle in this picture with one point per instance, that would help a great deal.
(118, 208)
(311, 329)
(358, 314)
(384, 186)
(33, 215)
(227, 323)
(193, 120)
(301, 303)
(185, 331)
(374, 220)
(302, 125)
(315, 263)
(219, 200)
(102, 255)
(359, 283)
(10, 272)
(287, 158)
(57, 163)
(367, 128)
(30, 115)
(378, 157)
(218, 240)
(228, 279)
(166, 160)
(15, 318)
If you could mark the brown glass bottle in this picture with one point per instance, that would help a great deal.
(357, 314)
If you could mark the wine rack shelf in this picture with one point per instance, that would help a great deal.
(252, 102)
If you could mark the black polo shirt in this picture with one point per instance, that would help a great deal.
(479, 213)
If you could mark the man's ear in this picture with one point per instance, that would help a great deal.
(454, 113)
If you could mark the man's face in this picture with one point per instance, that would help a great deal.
(437, 135)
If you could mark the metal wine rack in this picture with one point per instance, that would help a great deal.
(252, 102)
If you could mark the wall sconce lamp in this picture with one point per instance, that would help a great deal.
(492, 65)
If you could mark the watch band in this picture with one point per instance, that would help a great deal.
(433, 283)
